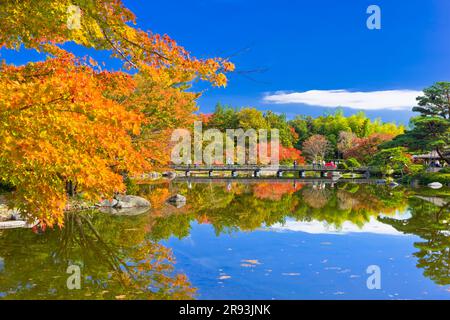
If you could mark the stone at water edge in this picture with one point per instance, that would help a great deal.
(435, 185)
(127, 201)
(150, 175)
(169, 174)
(393, 184)
(7, 214)
(177, 199)
(107, 203)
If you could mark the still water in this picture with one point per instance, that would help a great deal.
(261, 240)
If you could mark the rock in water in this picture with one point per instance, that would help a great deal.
(107, 203)
(169, 175)
(435, 185)
(393, 184)
(177, 200)
(126, 201)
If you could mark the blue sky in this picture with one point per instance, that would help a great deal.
(309, 45)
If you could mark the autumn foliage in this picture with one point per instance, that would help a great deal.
(68, 120)
(363, 149)
(275, 191)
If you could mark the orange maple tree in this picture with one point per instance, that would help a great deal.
(65, 121)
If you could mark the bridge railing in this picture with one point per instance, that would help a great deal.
(266, 167)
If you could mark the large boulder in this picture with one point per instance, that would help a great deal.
(125, 205)
(7, 214)
(11, 219)
(13, 224)
(126, 201)
(108, 203)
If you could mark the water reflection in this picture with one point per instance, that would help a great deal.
(432, 224)
(248, 207)
(116, 260)
(123, 258)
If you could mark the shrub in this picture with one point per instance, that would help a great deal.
(445, 170)
(342, 165)
(414, 169)
(132, 187)
(428, 177)
(352, 163)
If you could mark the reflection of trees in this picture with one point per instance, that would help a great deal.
(347, 202)
(316, 196)
(115, 260)
(432, 224)
(248, 207)
(274, 190)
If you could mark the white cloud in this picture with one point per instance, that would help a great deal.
(318, 227)
(371, 100)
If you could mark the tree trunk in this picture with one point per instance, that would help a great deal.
(442, 156)
(70, 188)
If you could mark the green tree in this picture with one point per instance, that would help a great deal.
(393, 158)
(278, 121)
(303, 126)
(224, 117)
(428, 133)
(251, 118)
(435, 101)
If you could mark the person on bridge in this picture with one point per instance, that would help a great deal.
(295, 163)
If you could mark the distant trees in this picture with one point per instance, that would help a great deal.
(332, 125)
(225, 117)
(363, 149)
(316, 147)
(345, 141)
(354, 136)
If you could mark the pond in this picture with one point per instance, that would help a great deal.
(234, 240)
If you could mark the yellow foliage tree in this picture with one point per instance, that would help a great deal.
(65, 120)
